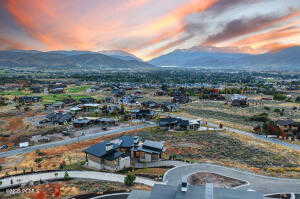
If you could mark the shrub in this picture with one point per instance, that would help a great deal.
(66, 176)
(297, 99)
(267, 108)
(38, 160)
(263, 117)
(129, 179)
(279, 97)
(40, 153)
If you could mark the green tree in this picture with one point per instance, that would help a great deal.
(66, 176)
(279, 97)
(129, 179)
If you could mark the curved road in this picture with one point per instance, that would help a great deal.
(92, 175)
(72, 140)
(264, 184)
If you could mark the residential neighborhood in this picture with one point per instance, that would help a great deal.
(145, 99)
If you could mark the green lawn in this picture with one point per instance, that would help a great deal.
(78, 89)
(59, 97)
(14, 93)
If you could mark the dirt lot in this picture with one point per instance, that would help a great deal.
(228, 149)
(202, 178)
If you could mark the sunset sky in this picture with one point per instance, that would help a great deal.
(149, 28)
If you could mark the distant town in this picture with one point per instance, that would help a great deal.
(146, 133)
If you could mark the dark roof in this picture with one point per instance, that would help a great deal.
(160, 191)
(284, 122)
(99, 150)
(127, 141)
(81, 121)
(151, 147)
(169, 121)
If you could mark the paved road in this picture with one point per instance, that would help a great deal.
(72, 140)
(264, 184)
(91, 175)
(260, 137)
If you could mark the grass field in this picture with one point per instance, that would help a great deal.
(78, 89)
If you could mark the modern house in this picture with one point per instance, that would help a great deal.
(149, 151)
(59, 118)
(179, 124)
(169, 107)
(87, 100)
(123, 153)
(181, 99)
(150, 104)
(169, 123)
(185, 191)
(82, 122)
(29, 99)
(239, 100)
(105, 155)
(289, 128)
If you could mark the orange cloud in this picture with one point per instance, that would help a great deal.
(158, 51)
(7, 44)
(242, 27)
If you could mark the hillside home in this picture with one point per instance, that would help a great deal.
(150, 104)
(169, 107)
(181, 99)
(87, 100)
(29, 99)
(122, 153)
(59, 117)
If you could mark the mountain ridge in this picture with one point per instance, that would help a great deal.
(286, 59)
(63, 59)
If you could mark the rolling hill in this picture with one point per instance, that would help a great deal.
(65, 59)
(284, 60)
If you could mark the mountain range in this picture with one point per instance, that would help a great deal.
(202, 57)
(69, 59)
(212, 57)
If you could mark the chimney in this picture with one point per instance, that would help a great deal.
(109, 146)
(209, 191)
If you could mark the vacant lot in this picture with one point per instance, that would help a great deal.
(216, 111)
(226, 149)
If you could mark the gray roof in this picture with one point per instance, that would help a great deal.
(284, 122)
(160, 191)
(154, 144)
(151, 147)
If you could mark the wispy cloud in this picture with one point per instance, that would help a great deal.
(147, 28)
